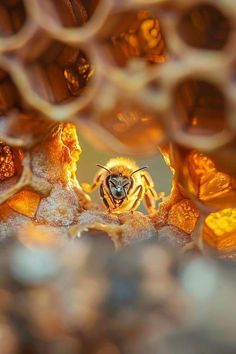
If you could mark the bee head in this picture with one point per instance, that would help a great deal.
(119, 186)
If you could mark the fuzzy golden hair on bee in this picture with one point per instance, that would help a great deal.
(123, 185)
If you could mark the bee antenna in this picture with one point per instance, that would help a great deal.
(103, 168)
(139, 169)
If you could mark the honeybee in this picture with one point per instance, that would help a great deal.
(123, 185)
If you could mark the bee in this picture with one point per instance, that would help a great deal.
(123, 185)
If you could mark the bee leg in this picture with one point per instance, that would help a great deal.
(149, 186)
(90, 187)
(149, 202)
(139, 189)
(104, 198)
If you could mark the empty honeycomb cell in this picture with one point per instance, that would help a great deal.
(199, 176)
(19, 126)
(131, 35)
(12, 17)
(60, 73)
(69, 20)
(204, 27)
(199, 110)
(219, 230)
(138, 129)
(69, 13)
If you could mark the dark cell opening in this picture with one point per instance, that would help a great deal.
(60, 73)
(200, 107)
(12, 17)
(71, 13)
(204, 27)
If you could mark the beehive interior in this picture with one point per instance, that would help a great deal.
(164, 80)
(132, 107)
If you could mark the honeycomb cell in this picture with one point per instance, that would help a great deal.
(12, 17)
(200, 108)
(72, 13)
(204, 27)
(60, 73)
(131, 35)
(219, 230)
(19, 125)
(139, 130)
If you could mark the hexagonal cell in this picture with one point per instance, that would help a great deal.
(219, 230)
(12, 17)
(60, 73)
(71, 13)
(139, 129)
(199, 108)
(18, 124)
(204, 27)
(131, 35)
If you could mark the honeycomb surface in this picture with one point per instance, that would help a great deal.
(131, 76)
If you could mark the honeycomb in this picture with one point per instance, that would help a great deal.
(135, 77)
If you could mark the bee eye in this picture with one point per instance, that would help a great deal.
(114, 185)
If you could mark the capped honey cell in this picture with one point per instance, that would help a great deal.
(219, 230)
